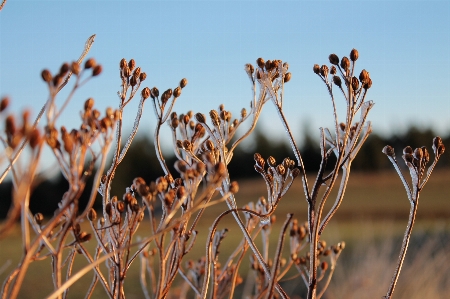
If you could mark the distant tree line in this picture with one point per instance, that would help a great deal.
(141, 161)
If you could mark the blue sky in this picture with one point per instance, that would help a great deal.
(405, 45)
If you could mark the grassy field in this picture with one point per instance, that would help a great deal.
(371, 220)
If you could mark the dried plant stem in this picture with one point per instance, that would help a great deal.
(404, 248)
(276, 260)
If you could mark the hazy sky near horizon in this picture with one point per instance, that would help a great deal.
(405, 45)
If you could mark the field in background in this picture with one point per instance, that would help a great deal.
(371, 220)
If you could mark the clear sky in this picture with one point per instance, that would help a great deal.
(405, 45)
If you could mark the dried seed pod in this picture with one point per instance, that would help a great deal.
(337, 81)
(260, 62)
(354, 55)
(57, 80)
(324, 70)
(154, 92)
(142, 77)
(287, 77)
(108, 209)
(10, 125)
(408, 158)
(183, 83)
(408, 150)
(200, 118)
(334, 59)
(145, 93)
(295, 172)
(249, 69)
(180, 166)
(174, 123)
(89, 104)
(4, 103)
(123, 63)
(133, 81)
(388, 151)
(35, 138)
(418, 154)
(364, 76)
(209, 145)
(137, 72)
(177, 92)
(38, 217)
(271, 161)
(97, 70)
(186, 119)
(90, 63)
(46, 76)
(84, 237)
(368, 84)
(268, 65)
(131, 64)
(234, 187)
(281, 170)
(120, 205)
(92, 215)
(316, 69)
(64, 69)
(324, 266)
(345, 63)
(214, 117)
(75, 68)
(243, 113)
(355, 83)
(333, 70)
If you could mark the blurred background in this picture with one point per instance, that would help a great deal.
(404, 45)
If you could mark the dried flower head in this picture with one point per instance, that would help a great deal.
(90, 63)
(354, 55)
(334, 59)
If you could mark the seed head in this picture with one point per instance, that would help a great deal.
(46, 76)
(97, 70)
(154, 93)
(177, 92)
(249, 69)
(368, 84)
(345, 63)
(363, 76)
(316, 69)
(334, 59)
(354, 55)
(38, 217)
(388, 151)
(75, 68)
(89, 104)
(418, 154)
(123, 63)
(131, 64)
(183, 83)
(260, 62)
(92, 215)
(287, 77)
(234, 187)
(142, 76)
(137, 72)
(200, 118)
(64, 69)
(333, 70)
(35, 138)
(324, 70)
(4, 103)
(355, 83)
(271, 161)
(145, 93)
(337, 81)
(90, 63)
